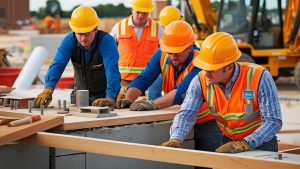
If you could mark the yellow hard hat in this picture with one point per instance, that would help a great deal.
(177, 36)
(217, 50)
(169, 14)
(84, 19)
(142, 5)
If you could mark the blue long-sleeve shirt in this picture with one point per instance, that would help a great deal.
(268, 101)
(152, 71)
(110, 56)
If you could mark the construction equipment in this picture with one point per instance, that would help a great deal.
(267, 31)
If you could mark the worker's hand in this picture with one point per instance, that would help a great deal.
(122, 93)
(234, 147)
(143, 105)
(44, 98)
(172, 143)
(123, 104)
(104, 102)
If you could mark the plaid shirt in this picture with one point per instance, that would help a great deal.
(268, 104)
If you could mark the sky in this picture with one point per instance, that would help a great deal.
(34, 5)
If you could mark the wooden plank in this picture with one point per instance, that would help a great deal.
(292, 151)
(9, 134)
(156, 153)
(93, 115)
(284, 146)
(74, 123)
(124, 117)
(289, 132)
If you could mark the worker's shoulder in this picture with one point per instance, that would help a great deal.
(107, 37)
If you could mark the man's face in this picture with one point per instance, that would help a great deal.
(179, 59)
(139, 18)
(217, 76)
(86, 39)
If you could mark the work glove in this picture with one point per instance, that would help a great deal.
(44, 98)
(142, 105)
(123, 104)
(234, 147)
(122, 93)
(104, 102)
(172, 143)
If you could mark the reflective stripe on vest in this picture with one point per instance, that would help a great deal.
(138, 70)
(230, 113)
(135, 53)
(167, 71)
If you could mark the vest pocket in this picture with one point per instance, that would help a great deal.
(151, 45)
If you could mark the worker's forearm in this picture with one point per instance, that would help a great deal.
(166, 100)
(264, 133)
(132, 94)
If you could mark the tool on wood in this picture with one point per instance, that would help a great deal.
(23, 121)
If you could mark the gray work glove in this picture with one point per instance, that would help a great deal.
(123, 104)
(143, 105)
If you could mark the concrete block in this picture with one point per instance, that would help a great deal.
(75, 161)
(21, 156)
(150, 133)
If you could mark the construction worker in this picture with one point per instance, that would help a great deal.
(174, 62)
(169, 14)
(242, 97)
(94, 56)
(137, 37)
(48, 20)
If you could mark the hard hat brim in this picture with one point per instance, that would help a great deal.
(198, 62)
(143, 9)
(175, 49)
(84, 29)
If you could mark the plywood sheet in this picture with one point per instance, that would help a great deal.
(9, 134)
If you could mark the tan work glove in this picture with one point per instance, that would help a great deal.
(143, 105)
(123, 104)
(234, 147)
(44, 98)
(122, 93)
(172, 143)
(104, 102)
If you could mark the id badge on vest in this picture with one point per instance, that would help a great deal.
(249, 114)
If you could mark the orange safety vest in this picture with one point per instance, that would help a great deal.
(134, 53)
(230, 114)
(169, 83)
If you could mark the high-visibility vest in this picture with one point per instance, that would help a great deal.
(134, 53)
(230, 113)
(169, 83)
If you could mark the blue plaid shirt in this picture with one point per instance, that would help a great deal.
(268, 104)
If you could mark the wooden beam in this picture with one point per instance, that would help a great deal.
(292, 151)
(285, 146)
(9, 134)
(156, 153)
(289, 132)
